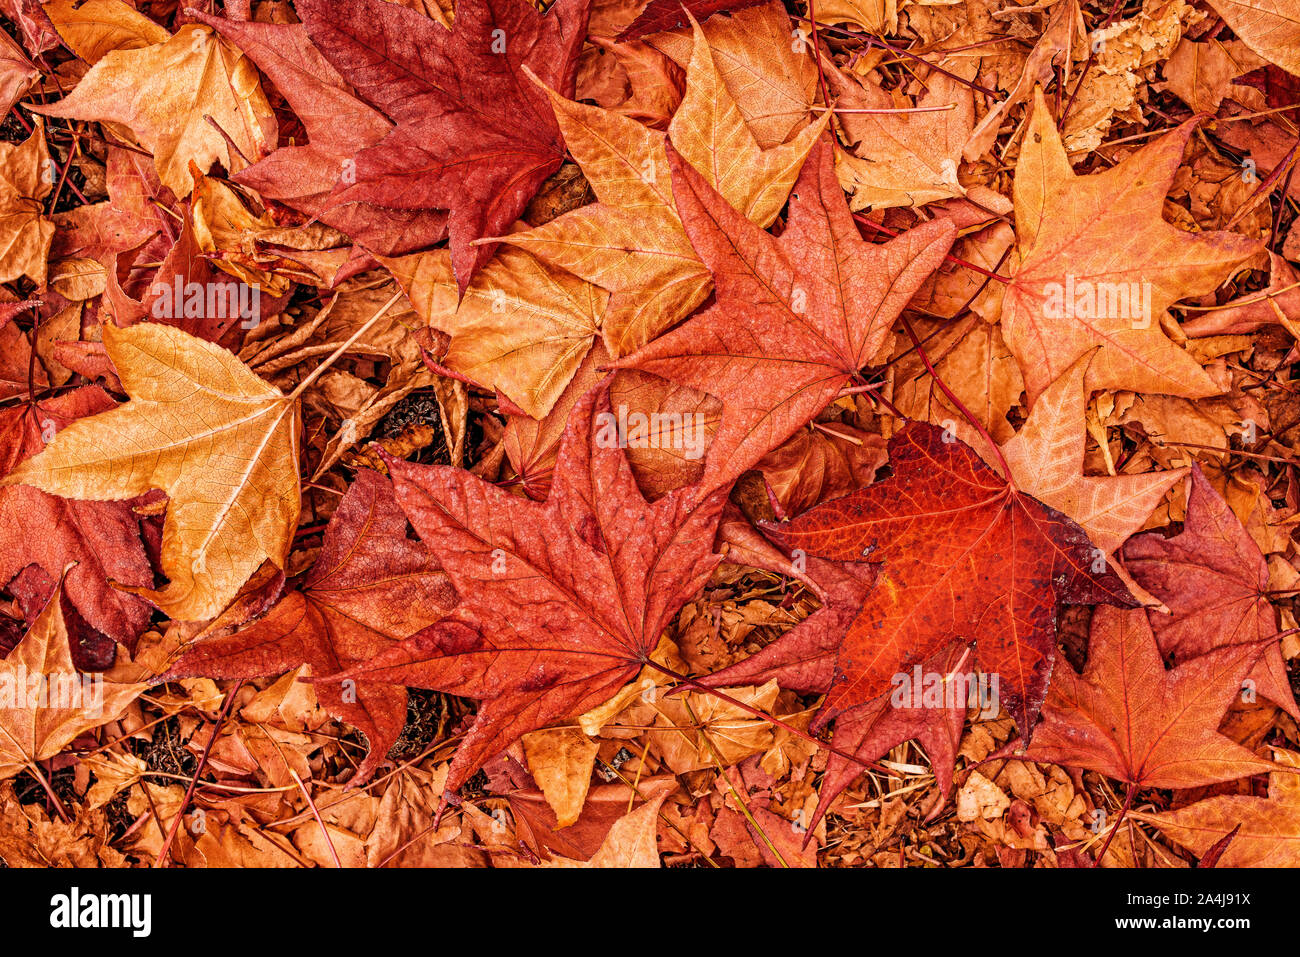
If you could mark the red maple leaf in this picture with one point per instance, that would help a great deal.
(339, 126)
(795, 317)
(475, 134)
(370, 587)
(1214, 581)
(1129, 718)
(563, 602)
(961, 556)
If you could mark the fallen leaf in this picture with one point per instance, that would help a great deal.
(816, 327)
(1099, 267)
(44, 701)
(474, 136)
(1215, 582)
(164, 91)
(562, 603)
(231, 471)
(1269, 834)
(371, 586)
(1132, 720)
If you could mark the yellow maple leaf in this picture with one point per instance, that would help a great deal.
(94, 28)
(222, 443)
(25, 233)
(165, 92)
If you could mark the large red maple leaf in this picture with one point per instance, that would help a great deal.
(475, 135)
(370, 587)
(562, 601)
(961, 557)
(795, 316)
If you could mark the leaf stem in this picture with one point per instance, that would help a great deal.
(948, 257)
(1128, 803)
(198, 772)
(333, 356)
(960, 406)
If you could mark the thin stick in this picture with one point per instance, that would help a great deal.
(817, 52)
(203, 760)
(1128, 803)
(739, 798)
(316, 814)
(333, 357)
(901, 109)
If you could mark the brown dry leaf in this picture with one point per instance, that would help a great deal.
(1053, 47)
(224, 226)
(531, 445)
(396, 336)
(29, 837)
(1125, 51)
(403, 833)
(823, 461)
(522, 327)
(765, 63)
(1201, 74)
(874, 16)
(631, 842)
(561, 761)
(733, 733)
(26, 178)
(164, 91)
(1046, 459)
(973, 361)
(902, 159)
(1270, 827)
(94, 28)
(114, 772)
(981, 798)
(44, 701)
(17, 73)
(1269, 27)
